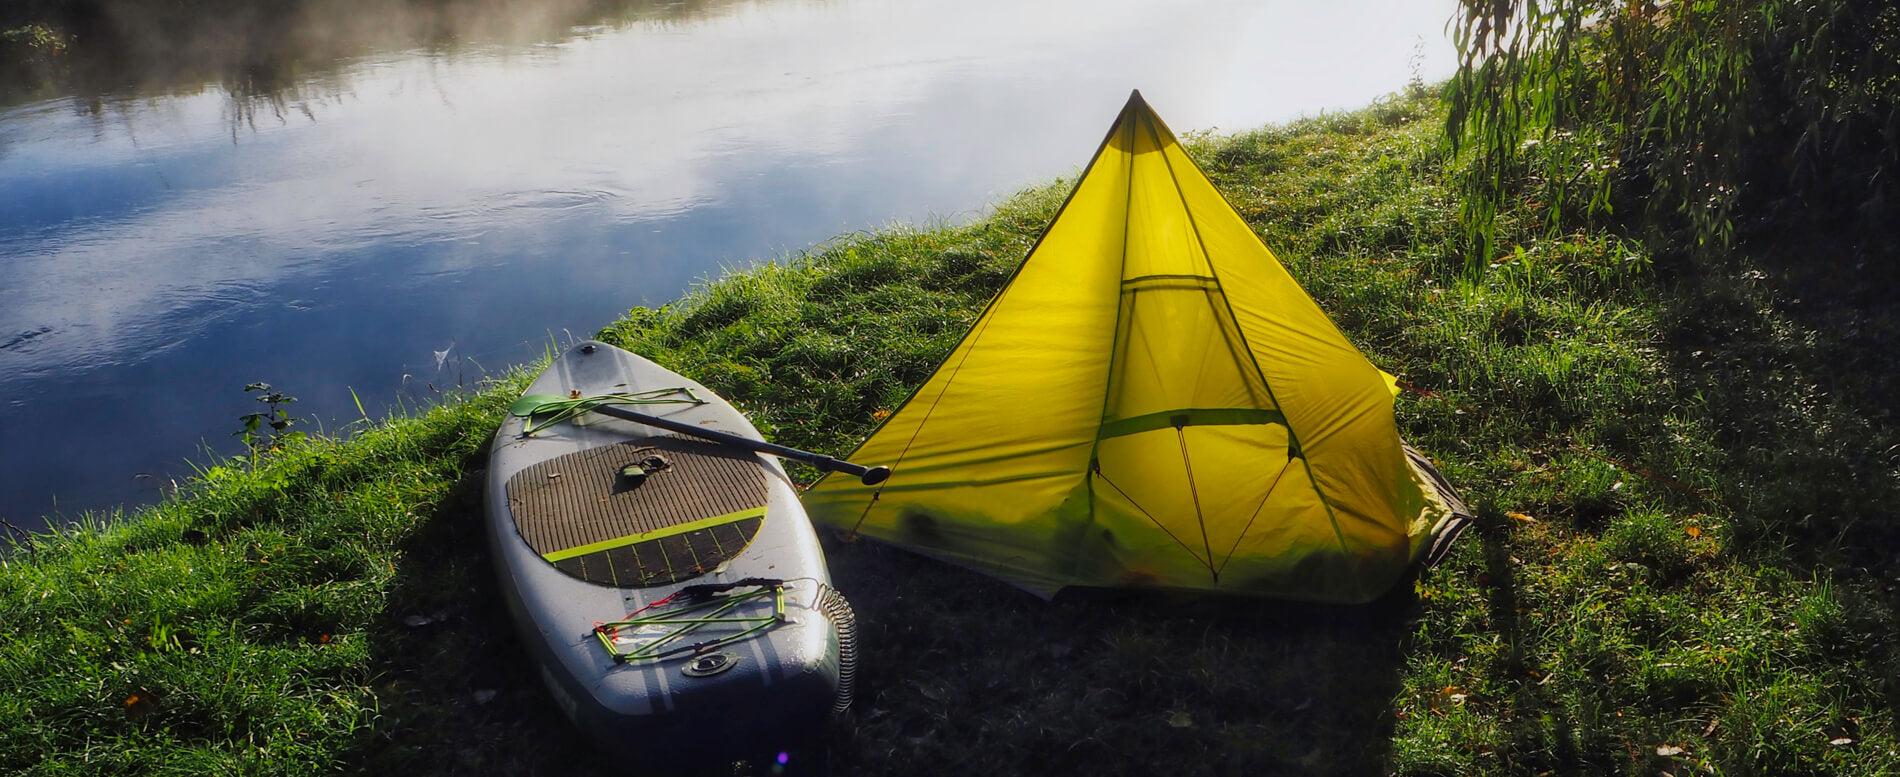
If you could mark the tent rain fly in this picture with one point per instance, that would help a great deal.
(1152, 400)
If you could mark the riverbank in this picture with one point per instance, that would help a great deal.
(1676, 568)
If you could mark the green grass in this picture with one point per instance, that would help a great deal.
(238, 627)
(1683, 562)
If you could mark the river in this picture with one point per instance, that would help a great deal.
(399, 224)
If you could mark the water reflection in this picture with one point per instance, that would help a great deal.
(156, 254)
(257, 51)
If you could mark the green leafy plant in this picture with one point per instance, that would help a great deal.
(1712, 115)
(275, 418)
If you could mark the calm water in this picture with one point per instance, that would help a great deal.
(399, 223)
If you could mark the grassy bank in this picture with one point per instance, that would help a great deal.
(1683, 563)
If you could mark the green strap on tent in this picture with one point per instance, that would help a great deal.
(1191, 417)
(559, 409)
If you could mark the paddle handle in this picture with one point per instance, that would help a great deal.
(869, 476)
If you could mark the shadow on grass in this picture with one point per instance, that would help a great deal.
(965, 675)
(958, 672)
(1793, 349)
(1794, 353)
(455, 690)
(1544, 736)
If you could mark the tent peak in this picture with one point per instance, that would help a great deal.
(1135, 110)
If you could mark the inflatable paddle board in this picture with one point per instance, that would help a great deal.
(669, 588)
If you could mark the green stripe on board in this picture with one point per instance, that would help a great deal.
(689, 526)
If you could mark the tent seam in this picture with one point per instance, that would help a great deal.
(1125, 124)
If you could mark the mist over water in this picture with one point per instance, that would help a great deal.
(395, 224)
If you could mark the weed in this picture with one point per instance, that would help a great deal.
(276, 416)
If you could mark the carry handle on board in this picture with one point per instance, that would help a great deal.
(869, 476)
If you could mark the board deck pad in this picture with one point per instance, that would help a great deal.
(700, 508)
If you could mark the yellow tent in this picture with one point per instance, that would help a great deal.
(1153, 401)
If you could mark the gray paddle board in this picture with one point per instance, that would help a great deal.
(592, 519)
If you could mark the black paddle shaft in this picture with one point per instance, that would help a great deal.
(870, 476)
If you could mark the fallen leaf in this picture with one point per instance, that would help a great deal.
(1668, 750)
(1180, 719)
(416, 621)
(1694, 531)
(140, 703)
(880, 415)
(1520, 517)
(1839, 741)
(1450, 696)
